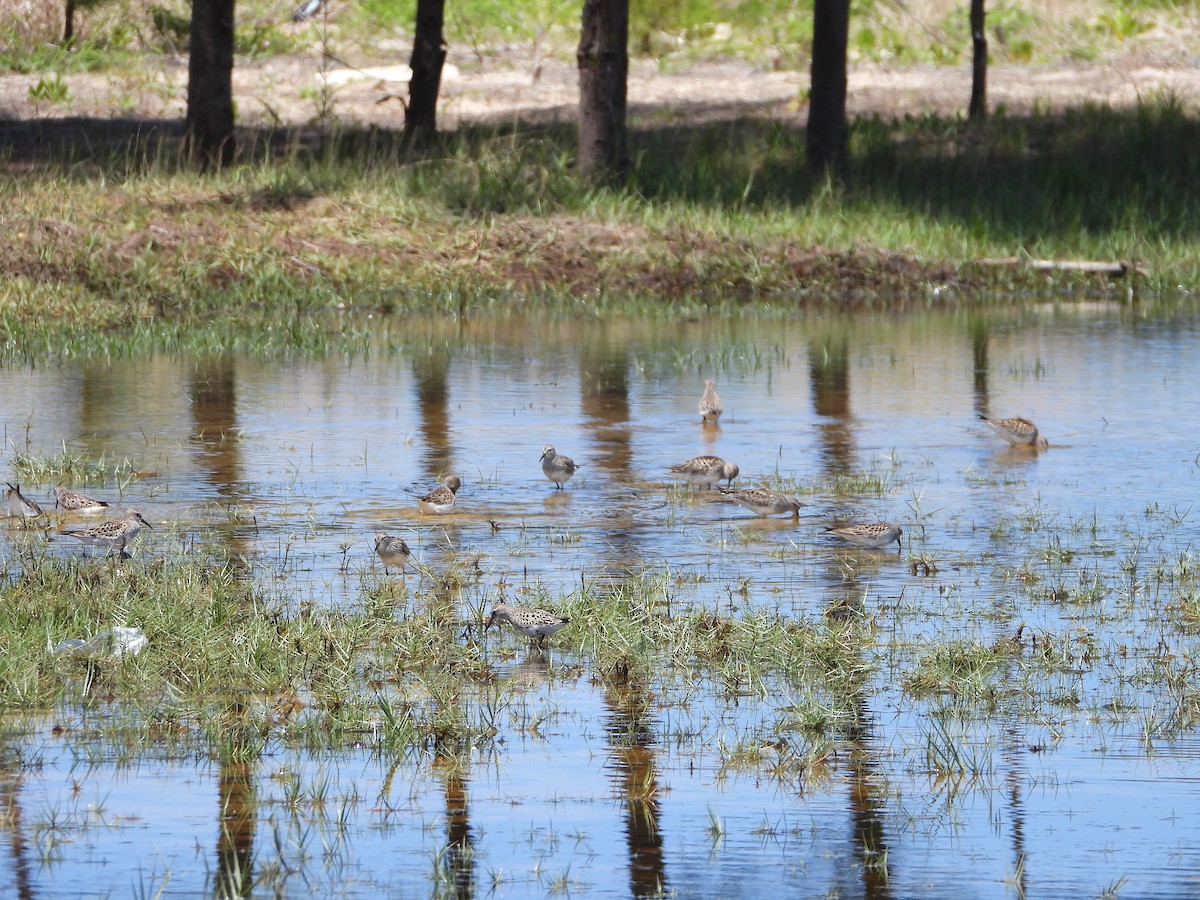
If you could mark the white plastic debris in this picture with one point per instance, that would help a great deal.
(113, 643)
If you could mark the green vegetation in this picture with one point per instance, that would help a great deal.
(128, 250)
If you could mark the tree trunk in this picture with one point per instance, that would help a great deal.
(603, 60)
(979, 52)
(428, 57)
(827, 130)
(210, 84)
(69, 25)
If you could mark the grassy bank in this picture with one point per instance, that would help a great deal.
(286, 248)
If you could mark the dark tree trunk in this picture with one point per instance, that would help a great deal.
(827, 130)
(603, 60)
(979, 51)
(69, 25)
(428, 57)
(210, 84)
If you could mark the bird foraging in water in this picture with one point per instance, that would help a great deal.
(536, 624)
(17, 505)
(764, 501)
(872, 536)
(1018, 431)
(392, 551)
(710, 403)
(705, 470)
(441, 499)
(114, 534)
(558, 469)
(77, 503)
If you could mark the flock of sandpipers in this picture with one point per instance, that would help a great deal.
(533, 622)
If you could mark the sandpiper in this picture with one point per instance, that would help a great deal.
(17, 505)
(1017, 431)
(77, 503)
(392, 551)
(705, 470)
(710, 403)
(558, 469)
(872, 536)
(764, 501)
(534, 623)
(114, 534)
(441, 499)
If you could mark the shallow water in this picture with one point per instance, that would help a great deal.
(295, 464)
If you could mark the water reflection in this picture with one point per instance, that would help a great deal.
(431, 371)
(868, 801)
(604, 382)
(238, 809)
(980, 331)
(458, 857)
(629, 725)
(212, 387)
(829, 374)
(11, 780)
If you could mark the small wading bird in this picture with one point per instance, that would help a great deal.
(17, 505)
(392, 551)
(764, 501)
(1017, 431)
(114, 534)
(77, 503)
(872, 536)
(705, 470)
(710, 403)
(441, 499)
(558, 469)
(536, 624)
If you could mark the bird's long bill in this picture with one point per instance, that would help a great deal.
(899, 544)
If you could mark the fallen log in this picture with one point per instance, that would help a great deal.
(1117, 268)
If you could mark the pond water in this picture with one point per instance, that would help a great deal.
(295, 464)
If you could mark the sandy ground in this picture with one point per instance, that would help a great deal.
(294, 90)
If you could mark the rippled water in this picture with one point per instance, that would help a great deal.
(295, 464)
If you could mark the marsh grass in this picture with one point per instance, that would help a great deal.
(291, 251)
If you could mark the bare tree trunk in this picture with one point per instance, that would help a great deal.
(827, 130)
(210, 84)
(979, 52)
(428, 57)
(603, 60)
(69, 25)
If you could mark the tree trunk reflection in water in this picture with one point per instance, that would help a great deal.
(868, 803)
(829, 375)
(10, 814)
(213, 392)
(212, 387)
(238, 812)
(604, 380)
(632, 741)
(433, 405)
(460, 851)
(980, 334)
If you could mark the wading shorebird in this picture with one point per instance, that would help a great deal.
(558, 469)
(536, 624)
(1017, 431)
(77, 503)
(114, 534)
(392, 551)
(17, 505)
(441, 499)
(764, 501)
(710, 403)
(705, 470)
(872, 536)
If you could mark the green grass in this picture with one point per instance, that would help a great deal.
(294, 251)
